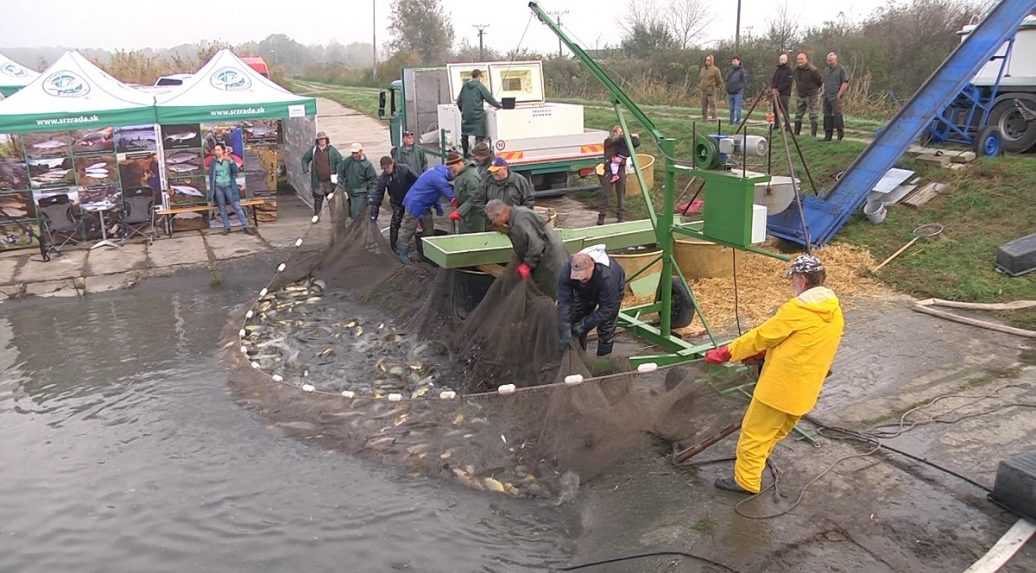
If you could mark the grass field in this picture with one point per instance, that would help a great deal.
(984, 206)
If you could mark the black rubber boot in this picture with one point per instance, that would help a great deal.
(600, 218)
(829, 127)
(464, 145)
(840, 126)
(728, 484)
(798, 127)
(813, 128)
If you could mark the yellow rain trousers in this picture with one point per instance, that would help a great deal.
(800, 342)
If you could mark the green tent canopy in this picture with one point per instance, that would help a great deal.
(74, 94)
(14, 76)
(227, 89)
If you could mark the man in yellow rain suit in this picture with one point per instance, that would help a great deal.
(799, 343)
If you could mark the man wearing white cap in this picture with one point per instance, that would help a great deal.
(356, 176)
(590, 292)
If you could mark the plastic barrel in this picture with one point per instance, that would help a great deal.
(647, 167)
(633, 261)
(702, 259)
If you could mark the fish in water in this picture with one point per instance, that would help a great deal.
(182, 167)
(187, 190)
(181, 157)
(49, 144)
(181, 136)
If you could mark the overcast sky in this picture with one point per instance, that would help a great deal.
(134, 24)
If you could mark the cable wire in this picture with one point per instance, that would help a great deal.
(650, 554)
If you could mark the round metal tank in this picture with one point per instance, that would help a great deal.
(702, 259)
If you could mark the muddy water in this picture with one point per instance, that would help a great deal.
(121, 449)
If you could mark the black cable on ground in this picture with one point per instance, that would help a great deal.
(649, 554)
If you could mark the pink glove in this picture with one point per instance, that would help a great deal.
(717, 355)
(524, 271)
(455, 215)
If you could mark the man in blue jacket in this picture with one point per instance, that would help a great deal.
(590, 291)
(223, 188)
(424, 196)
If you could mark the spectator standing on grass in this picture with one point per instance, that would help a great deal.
(710, 80)
(836, 82)
(396, 179)
(737, 81)
(780, 92)
(223, 184)
(807, 90)
(409, 154)
(321, 162)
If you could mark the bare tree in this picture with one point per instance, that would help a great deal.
(784, 28)
(639, 14)
(687, 19)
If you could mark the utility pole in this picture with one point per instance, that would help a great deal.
(481, 47)
(557, 16)
(374, 39)
(737, 30)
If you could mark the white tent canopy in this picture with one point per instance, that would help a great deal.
(73, 93)
(228, 89)
(14, 76)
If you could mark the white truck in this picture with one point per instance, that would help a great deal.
(545, 141)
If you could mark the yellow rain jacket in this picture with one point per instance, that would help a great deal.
(800, 342)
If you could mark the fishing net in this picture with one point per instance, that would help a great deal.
(351, 349)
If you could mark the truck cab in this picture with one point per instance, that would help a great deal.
(544, 141)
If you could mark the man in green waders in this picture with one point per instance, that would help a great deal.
(473, 115)
(357, 178)
(409, 154)
(470, 214)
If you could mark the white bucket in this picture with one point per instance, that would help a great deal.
(875, 210)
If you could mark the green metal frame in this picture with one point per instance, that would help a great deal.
(728, 217)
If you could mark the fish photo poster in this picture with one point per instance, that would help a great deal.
(107, 198)
(96, 171)
(14, 173)
(262, 131)
(51, 172)
(40, 144)
(139, 171)
(187, 191)
(136, 138)
(18, 235)
(181, 136)
(72, 192)
(17, 205)
(183, 163)
(93, 140)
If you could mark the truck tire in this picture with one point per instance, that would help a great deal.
(682, 312)
(1018, 135)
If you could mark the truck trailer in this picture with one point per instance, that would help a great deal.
(544, 141)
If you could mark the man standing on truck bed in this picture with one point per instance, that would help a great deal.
(409, 154)
(507, 186)
(473, 115)
(321, 162)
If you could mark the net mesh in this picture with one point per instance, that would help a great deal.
(352, 319)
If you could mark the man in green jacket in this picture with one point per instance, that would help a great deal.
(357, 178)
(507, 186)
(537, 247)
(473, 115)
(483, 156)
(710, 80)
(321, 162)
(410, 154)
(807, 89)
(471, 200)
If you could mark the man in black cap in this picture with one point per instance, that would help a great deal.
(410, 154)
(321, 162)
(590, 291)
(396, 179)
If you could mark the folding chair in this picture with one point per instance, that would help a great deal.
(137, 213)
(61, 220)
